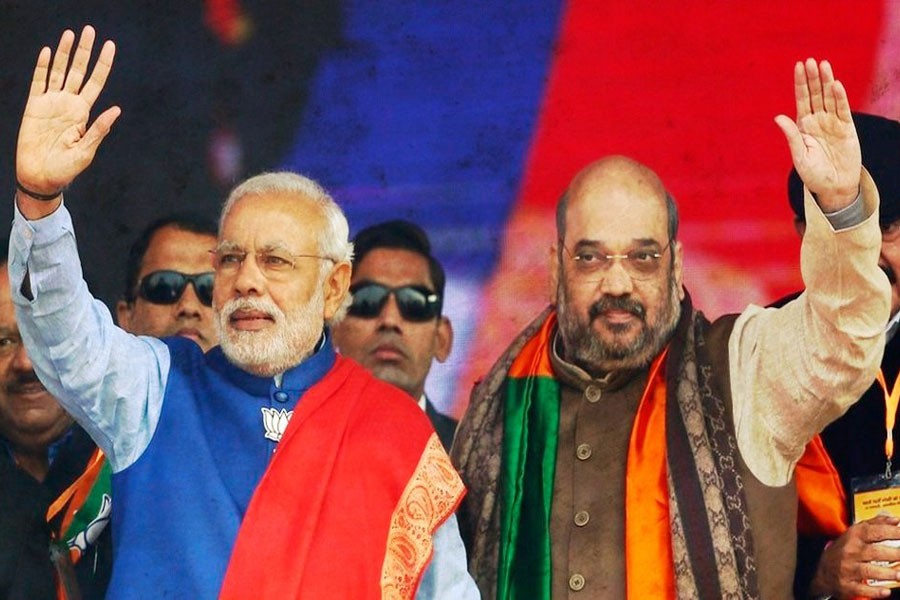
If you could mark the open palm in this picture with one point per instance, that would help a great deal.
(823, 141)
(55, 143)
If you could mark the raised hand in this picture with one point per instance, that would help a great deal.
(823, 141)
(55, 143)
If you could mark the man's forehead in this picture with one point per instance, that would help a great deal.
(286, 216)
(178, 249)
(392, 266)
(618, 217)
(292, 236)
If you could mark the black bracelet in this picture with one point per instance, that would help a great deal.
(35, 195)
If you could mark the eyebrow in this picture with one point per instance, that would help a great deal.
(227, 245)
(636, 243)
(275, 246)
(234, 246)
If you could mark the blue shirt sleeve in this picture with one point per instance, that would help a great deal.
(447, 576)
(111, 382)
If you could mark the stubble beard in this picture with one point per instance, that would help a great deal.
(399, 373)
(275, 349)
(584, 347)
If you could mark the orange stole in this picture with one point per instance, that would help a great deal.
(649, 566)
(648, 547)
(822, 508)
(349, 502)
(534, 358)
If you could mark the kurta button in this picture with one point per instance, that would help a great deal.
(280, 396)
(576, 582)
(583, 452)
(582, 517)
(592, 393)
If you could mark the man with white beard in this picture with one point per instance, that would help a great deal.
(358, 500)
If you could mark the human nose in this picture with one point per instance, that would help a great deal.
(189, 303)
(21, 361)
(390, 313)
(615, 280)
(249, 278)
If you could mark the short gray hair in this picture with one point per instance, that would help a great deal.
(333, 239)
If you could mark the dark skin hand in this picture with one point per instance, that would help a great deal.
(847, 562)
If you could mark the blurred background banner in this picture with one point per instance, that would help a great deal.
(468, 117)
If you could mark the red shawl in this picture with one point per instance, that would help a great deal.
(350, 500)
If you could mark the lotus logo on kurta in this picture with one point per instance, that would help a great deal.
(275, 421)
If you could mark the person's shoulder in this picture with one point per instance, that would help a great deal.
(438, 417)
(379, 402)
(177, 343)
(186, 354)
(784, 300)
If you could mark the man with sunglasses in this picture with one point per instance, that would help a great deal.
(169, 281)
(394, 326)
(267, 467)
(624, 446)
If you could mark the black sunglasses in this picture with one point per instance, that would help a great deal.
(416, 303)
(166, 287)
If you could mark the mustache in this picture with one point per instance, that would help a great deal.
(257, 304)
(22, 381)
(624, 303)
(891, 275)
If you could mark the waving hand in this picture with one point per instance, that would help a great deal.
(823, 141)
(55, 142)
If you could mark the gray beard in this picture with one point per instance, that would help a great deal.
(269, 352)
(583, 348)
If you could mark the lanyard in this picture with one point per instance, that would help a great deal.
(891, 399)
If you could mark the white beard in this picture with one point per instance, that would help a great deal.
(275, 349)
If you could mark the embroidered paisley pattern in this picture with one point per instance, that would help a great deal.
(432, 494)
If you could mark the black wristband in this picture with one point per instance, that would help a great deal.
(35, 195)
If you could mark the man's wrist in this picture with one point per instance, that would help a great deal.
(849, 216)
(38, 195)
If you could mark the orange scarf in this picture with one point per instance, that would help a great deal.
(822, 506)
(648, 545)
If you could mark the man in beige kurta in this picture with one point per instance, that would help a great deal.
(748, 391)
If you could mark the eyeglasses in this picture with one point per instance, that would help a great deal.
(416, 303)
(641, 264)
(167, 287)
(273, 262)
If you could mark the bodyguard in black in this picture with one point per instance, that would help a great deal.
(394, 326)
